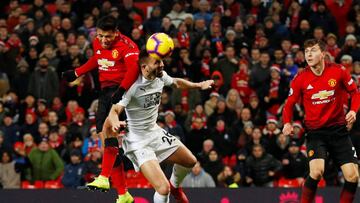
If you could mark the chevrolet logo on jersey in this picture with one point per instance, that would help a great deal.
(104, 64)
(323, 94)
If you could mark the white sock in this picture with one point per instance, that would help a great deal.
(178, 175)
(158, 198)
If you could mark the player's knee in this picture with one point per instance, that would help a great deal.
(163, 188)
(351, 176)
(317, 173)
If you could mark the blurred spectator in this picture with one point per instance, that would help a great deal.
(331, 45)
(213, 164)
(43, 132)
(198, 178)
(42, 110)
(228, 178)
(56, 141)
(93, 165)
(4, 146)
(46, 163)
(3, 112)
(198, 112)
(294, 162)
(11, 130)
(167, 26)
(203, 12)
(228, 65)
(21, 79)
(128, 12)
(279, 145)
(240, 82)
(92, 142)
(187, 98)
(260, 75)
(261, 167)
(350, 48)
(178, 14)
(153, 24)
(53, 120)
(29, 143)
(224, 141)
(172, 127)
(80, 125)
(211, 104)
(30, 126)
(44, 82)
(9, 177)
(244, 118)
(74, 171)
(197, 136)
(256, 138)
(221, 111)
(75, 142)
(233, 100)
(322, 17)
(207, 146)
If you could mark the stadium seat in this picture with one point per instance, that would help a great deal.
(284, 182)
(53, 184)
(37, 185)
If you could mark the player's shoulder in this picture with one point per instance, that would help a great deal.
(124, 42)
(96, 44)
(335, 66)
(302, 74)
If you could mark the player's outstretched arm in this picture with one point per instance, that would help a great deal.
(185, 84)
(71, 75)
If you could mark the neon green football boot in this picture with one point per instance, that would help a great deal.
(100, 183)
(125, 198)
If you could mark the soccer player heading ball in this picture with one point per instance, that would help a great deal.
(322, 88)
(159, 45)
(146, 144)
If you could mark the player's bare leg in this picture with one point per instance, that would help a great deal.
(351, 175)
(183, 161)
(153, 173)
(317, 167)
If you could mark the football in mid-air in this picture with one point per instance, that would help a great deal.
(159, 45)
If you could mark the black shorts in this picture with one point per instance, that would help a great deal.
(104, 106)
(333, 141)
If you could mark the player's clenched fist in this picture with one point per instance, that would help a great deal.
(69, 75)
(206, 84)
(288, 128)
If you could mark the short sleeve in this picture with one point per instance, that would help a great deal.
(167, 79)
(126, 98)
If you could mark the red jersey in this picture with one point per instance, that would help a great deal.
(114, 63)
(322, 96)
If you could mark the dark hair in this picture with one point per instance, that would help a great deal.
(143, 56)
(313, 42)
(107, 23)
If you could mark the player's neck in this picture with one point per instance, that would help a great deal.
(148, 76)
(318, 69)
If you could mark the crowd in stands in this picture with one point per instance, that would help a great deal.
(252, 49)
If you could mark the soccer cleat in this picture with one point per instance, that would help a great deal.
(178, 194)
(125, 198)
(101, 183)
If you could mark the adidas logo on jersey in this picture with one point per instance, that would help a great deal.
(98, 52)
(309, 87)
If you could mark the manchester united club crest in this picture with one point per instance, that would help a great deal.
(115, 54)
(332, 82)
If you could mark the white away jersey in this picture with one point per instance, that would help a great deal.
(142, 102)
